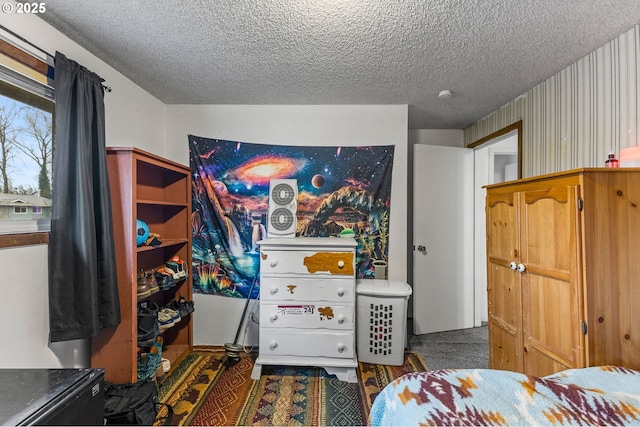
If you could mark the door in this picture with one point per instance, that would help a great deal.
(443, 293)
(504, 292)
(551, 296)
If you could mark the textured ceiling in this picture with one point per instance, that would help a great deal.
(487, 52)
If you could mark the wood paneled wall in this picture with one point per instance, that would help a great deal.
(576, 117)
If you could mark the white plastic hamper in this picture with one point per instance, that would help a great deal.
(381, 320)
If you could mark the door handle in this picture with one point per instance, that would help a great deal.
(422, 248)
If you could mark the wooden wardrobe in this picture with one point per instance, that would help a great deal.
(563, 267)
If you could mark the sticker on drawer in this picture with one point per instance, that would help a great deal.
(296, 310)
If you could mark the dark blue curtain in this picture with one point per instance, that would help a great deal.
(83, 288)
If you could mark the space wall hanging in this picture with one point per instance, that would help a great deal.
(340, 191)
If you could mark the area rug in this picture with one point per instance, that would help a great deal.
(203, 390)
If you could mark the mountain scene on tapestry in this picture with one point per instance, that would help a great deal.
(341, 190)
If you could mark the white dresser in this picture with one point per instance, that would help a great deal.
(307, 304)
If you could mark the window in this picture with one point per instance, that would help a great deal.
(26, 148)
(26, 142)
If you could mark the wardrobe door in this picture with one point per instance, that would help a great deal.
(551, 288)
(503, 282)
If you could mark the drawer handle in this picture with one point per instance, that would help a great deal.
(273, 317)
(341, 319)
(341, 348)
(340, 292)
(273, 345)
(273, 290)
(273, 263)
(340, 264)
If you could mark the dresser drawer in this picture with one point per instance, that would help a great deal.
(311, 289)
(306, 316)
(303, 343)
(276, 262)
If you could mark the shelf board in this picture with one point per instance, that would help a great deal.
(165, 243)
(160, 202)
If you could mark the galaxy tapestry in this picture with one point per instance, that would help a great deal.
(341, 190)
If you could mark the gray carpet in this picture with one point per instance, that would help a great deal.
(462, 349)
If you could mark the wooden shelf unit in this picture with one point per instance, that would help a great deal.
(157, 191)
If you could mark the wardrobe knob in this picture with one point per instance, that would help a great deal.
(341, 348)
(521, 268)
(340, 292)
(273, 317)
(273, 345)
(513, 265)
(340, 264)
(273, 290)
(273, 263)
(341, 319)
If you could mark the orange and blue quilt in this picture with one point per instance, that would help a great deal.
(603, 395)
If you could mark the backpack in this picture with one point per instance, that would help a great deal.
(133, 403)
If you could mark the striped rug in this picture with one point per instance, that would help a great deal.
(204, 391)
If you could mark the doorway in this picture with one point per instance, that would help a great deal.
(449, 259)
(497, 159)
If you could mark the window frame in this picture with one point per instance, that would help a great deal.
(22, 94)
(24, 239)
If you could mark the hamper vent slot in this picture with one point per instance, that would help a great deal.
(380, 329)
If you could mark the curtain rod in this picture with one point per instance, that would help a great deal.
(26, 41)
(52, 57)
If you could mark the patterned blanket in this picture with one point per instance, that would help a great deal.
(604, 395)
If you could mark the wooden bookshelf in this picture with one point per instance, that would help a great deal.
(157, 191)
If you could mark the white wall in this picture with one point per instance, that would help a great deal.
(446, 137)
(25, 314)
(132, 117)
(216, 318)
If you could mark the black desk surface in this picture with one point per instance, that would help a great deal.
(23, 392)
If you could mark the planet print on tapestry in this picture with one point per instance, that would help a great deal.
(317, 181)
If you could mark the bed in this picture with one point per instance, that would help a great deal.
(604, 395)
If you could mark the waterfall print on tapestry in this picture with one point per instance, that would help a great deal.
(341, 190)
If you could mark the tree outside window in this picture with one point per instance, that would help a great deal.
(26, 152)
